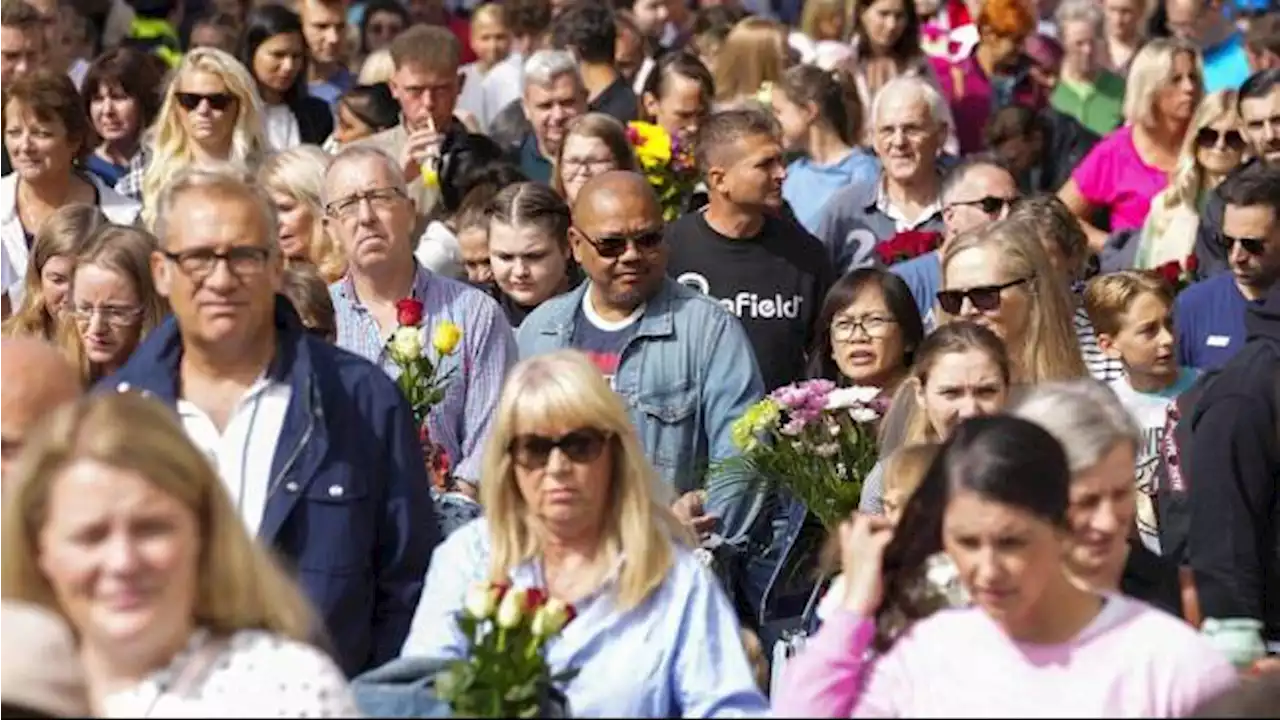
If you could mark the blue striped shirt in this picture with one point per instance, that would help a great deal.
(460, 423)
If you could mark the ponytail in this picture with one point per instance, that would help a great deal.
(833, 92)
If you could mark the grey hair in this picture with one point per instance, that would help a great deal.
(1085, 11)
(1085, 416)
(222, 179)
(544, 66)
(924, 90)
(356, 153)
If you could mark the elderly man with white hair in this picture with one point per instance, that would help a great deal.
(553, 96)
(367, 208)
(909, 128)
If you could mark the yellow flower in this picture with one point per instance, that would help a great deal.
(758, 418)
(652, 143)
(446, 337)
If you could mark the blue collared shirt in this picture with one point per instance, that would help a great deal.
(460, 423)
(678, 654)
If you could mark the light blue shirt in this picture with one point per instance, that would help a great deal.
(923, 275)
(678, 654)
(1226, 66)
(808, 185)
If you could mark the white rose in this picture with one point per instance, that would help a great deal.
(405, 344)
(481, 601)
(511, 609)
(863, 415)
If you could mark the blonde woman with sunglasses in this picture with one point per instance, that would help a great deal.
(1214, 146)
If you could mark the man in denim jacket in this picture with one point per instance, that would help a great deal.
(681, 361)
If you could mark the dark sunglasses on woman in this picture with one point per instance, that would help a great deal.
(985, 298)
(1231, 139)
(217, 101)
(581, 446)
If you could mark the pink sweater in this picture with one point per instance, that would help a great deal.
(1131, 661)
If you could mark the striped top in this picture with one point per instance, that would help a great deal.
(1100, 366)
(460, 423)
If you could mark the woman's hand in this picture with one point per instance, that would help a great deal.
(863, 539)
(688, 509)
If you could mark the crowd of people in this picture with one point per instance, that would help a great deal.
(1046, 234)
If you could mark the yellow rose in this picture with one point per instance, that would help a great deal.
(446, 337)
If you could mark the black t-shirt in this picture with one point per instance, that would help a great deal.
(774, 282)
(618, 100)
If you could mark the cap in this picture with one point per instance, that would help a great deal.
(39, 665)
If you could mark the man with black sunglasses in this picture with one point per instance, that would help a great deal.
(681, 361)
(1209, 315)
(976, 192)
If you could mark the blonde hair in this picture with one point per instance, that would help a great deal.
(905, 469)
(491, 12)
(239, 586)
(168, 139)
(1188, 179)
(1050, 349)
(816, 11)
(565, 388)
(60, 236)
(1108, 297)
(125, 251)
(755, 52)
(299, 173)
(378, 67)
(1149, 72)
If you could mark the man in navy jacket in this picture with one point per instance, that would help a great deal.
(315, 445)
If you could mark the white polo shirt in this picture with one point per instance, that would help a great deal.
(243, 454)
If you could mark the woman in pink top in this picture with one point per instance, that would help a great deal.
(1130, 166)
(1034, 644)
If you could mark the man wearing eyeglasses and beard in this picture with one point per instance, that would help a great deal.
(1210, 315)
(315, 446)
(681, 361)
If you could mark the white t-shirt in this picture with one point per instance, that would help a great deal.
(1150, 411)
(282, 128)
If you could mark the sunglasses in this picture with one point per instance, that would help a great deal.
(613, 246)
(1231, 139)
(217, 101)
(989, 205)
(581, 446)
(985, 298)
(1253, 246)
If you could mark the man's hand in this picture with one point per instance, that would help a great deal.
(422, 148)
(689, 510)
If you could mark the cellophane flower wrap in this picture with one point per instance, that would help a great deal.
(420, 378)
(667, 163)
(813, 440)
(505, 672)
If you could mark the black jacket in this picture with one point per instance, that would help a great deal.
(315, 119)
(1233, 479)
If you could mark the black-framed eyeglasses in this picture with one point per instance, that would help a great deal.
(989, 205)
(613, 246)
(1231, 139)
(217, 101)
(1253, 246)
(984, 298)
(244, 261)
(380, 199)
(875, 326)
(581, 446)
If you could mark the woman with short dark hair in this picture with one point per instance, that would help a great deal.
(121, 94)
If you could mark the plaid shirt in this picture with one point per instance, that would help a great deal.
(130, 184)
(460, 423)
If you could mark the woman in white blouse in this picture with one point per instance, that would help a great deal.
(275, 53)
(211, 114)
(46, 129)
(119, 523)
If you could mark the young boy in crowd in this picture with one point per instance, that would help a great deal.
(1132, 312)
(492, 43)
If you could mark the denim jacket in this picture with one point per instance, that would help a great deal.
(686, 375)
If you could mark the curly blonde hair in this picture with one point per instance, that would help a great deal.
(298, 173)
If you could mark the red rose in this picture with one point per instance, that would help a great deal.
(409, 311)
(440, 463)
(1170, 272)
(570, 612)
(534, 598)
(1192, 264)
